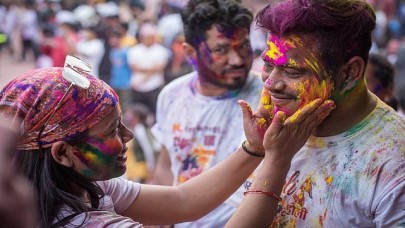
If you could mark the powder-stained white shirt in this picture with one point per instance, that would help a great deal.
(354, 179)
(200, 131)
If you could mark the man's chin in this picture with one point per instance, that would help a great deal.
(288, 111)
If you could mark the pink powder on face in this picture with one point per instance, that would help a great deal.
(277, 51)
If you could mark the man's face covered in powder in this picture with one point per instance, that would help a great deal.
(293, 74)
(225, 58)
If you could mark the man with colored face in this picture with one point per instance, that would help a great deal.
(199, 122)
(351, 172)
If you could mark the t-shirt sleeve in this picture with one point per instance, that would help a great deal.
(103, 219)
(391, 209)
(122, 192)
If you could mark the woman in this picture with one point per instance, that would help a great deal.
(73, 146)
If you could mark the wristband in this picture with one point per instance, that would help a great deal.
(254, 154)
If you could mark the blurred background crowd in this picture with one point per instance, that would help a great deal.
(136, 47)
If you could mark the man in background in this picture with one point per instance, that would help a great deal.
(199, 122)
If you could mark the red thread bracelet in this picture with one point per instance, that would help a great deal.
(265, 193)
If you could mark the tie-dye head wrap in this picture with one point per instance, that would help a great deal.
(31, 98)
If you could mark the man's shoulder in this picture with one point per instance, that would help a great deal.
(390, 118)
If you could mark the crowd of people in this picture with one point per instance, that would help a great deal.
(290, 114)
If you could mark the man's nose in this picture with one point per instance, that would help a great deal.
(274, 81)
(234, 58)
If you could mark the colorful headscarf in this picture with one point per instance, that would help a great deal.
(32, 97)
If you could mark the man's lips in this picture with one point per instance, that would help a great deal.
(236, 73)
(280, 100)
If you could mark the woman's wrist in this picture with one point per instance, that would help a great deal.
(248, 148)
(277, 162)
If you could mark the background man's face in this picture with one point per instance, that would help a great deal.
(293, 73)
(225, 57)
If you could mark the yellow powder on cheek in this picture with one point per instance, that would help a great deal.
(325, 89)
(91, 158)
(311, 89)
(313, 65)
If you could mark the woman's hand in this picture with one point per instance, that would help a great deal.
(285, 136)
(255, 124)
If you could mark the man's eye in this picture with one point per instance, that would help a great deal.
(245, 45)
(292, 73)
(220, 51)
(267, 68)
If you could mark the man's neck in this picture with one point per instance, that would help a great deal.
(349, 112)
(208, 89)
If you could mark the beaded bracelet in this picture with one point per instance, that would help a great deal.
(265, 193)
(254, 154)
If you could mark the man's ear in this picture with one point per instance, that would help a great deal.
(352, 71)
(190, 52)
(62, 153)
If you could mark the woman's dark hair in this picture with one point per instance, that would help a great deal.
(57, 186)
(199, 16)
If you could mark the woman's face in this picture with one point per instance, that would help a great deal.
(103, 154)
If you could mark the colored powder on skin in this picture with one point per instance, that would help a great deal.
(312, 89)
(297, 114)
(293, 63)
(249, 108)
(356, 128)
(262, 122)
(104, 145)
(91, 155)
(87, 158)
(344, 93)
(88, 172)
(265, 97)
(265, 100)
(206, 53)
(277, 52)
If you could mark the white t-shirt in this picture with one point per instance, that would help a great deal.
(119, 195)
(354, 179)
(147, 57)
(200, 131)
